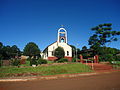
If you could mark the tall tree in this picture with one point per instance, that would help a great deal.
(59, 52)
(6, 52)
(31, 49)
(1, 46)
(15, 51)
(78, 53)
(103, 34)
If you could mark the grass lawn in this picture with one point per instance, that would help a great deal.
(44, 70)
(116, 65)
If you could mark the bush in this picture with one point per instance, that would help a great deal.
(90, 59)
(62, 60)
(42, 61)
(117, 58)
(107, 57)
(28, 59)
(101, 58)
(33, 62)
(15, 62)
(0, 63)
(74, 60)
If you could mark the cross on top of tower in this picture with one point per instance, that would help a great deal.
(62, 26)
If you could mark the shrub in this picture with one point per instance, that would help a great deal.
(59, 52)
(15, 62)
(118, 62)
(33, 62)
(74, 60)
(42, 61)
(90, 59)
(101, 58)
(0, 63)
(117, 58)
(107, 57)
(62, 60)
(29, 59)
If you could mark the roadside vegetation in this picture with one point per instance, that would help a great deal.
(44, 70)
(116, 64)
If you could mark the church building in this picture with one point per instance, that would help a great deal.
(48, 53)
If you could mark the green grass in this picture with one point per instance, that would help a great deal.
(42, 70)
(118, 62)
(116, 65)
(50, 62)
(28, 63)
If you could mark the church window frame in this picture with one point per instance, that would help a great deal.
(67, 53)
(62, 40)
(52, 53)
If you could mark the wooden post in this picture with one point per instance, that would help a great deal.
(81, 58)
(92, 65)
(96, 60)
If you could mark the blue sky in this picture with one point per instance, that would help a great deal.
(23, 21)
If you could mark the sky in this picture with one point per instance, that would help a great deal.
(24, 21)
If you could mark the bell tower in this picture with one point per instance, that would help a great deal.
(62, 35)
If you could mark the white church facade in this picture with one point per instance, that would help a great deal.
(48, 53)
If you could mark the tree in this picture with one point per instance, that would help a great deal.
(1, 46)
(73, 50)
(84, 52)
(84, 48)
(103, 34)
(31, 49)
(107, 54)
(8, 52)
(78, 53)
(15, 51)
(59, 52)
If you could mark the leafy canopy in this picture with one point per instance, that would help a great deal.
(103, 34)
(31, 49)
(84, 48)
(59, 52)
(8, 52)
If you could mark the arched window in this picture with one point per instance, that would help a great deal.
(62, 40)
(52, 53)
(67, 53)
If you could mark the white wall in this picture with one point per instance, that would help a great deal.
(65, 46)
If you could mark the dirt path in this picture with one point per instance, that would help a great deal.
(100, 67)
(109, 81)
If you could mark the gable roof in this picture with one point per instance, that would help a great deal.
(45, 50)
(47, 47)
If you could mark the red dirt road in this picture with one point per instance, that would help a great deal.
(109, 81)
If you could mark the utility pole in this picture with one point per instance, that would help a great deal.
(76, 51)
(76, 54)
